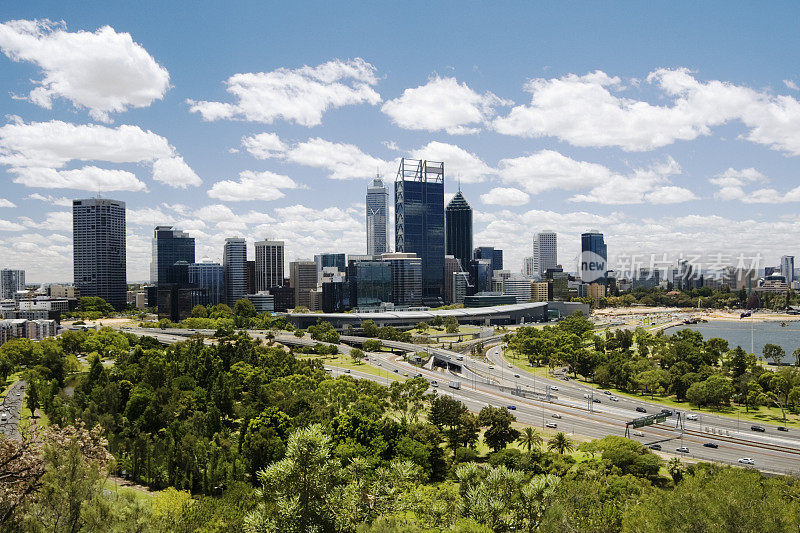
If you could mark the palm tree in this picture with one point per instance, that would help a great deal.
(675, 469)
(560, 443)
(796, 355)
(530, 439)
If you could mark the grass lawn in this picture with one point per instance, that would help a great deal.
(115, 488)
(345, 361)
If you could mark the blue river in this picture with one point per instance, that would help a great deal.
(752, 336)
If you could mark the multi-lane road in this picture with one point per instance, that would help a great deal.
(10, 410)
(495, 382)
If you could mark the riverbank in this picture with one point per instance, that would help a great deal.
(655, 315)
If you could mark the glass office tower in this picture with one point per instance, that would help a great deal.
(234, 268)
(98, 249)
(406, 279)
(208, 277)
(419, 221)
(373, 283)
(169, 246)
(458, 230)
(594, 257)
(377, 218)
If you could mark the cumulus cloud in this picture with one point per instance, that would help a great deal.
(104, 72)
(732, 185)
(7, 225)
(505, 196)
(443, 104)
(6, 203)
(590, 110)
(37, 151)
(459, 163)
(295, 95)
(264, 145)
(62, 201)
(265, 186)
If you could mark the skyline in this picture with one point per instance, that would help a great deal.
(722, 132)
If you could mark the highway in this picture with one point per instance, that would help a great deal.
(495, 383)
(10, 410)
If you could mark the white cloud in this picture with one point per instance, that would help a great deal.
(7, 225)
(265, 186)
(87, 178)
(589, 111)
(104, 72)
(505, 196)
(175, 172)
(791, 85)
(264, 145)
(669, 195)
(442, 104)
(35, 151)
(732, 185)
(61, 201)
(459, 164)
(6, 203)
(55, 221)
(296, 95)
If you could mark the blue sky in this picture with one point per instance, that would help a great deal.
(672, 128)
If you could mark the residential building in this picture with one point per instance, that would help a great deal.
(209, 279)
(458, 230)
(377, 218)
(11, 281)
(419, 221)
(99, 253)
(234, 270)
(596, 291)
(594, 257)
(545, 251)
(269, 264)
(62, 291)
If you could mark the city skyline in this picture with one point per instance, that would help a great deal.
(180, 149)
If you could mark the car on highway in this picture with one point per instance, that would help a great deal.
(682, 449)
(613, 398)
(641, 410)
(556, 415)
(491, 367)
(346, 370)
(551, 425)
(516, 375)
(4, 417)
(434, 384)
(638, 434)
(656, 447)
(710, 445)
(405, 374)
(783, 428)
(746, 461)
(512, 407)
(554, 387)
(510, 366)
(760, 429)
(379, 363)
(596, 400)
(395, 371)
(418, 375)
(607, 393)
(691, 416)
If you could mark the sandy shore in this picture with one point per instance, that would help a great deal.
(624, 314)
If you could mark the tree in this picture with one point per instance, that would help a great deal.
(675, 469)
(454, 419)
(560, 443)
(95, 304)
(796, 355)
(372, 345)
(264, 439)
(32, 396)
(499, 433)
(199, 311)
(774, 352)
(369, 328)
(356, 354)
(407, 397)
(244, 308)
(530, 439)
(451, 324)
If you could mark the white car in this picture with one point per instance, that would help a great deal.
(491, 367)
(556, 415)
(747, 461)
(638, 434)
(682, 449)
(551, 425)
(613, 399)
(554, 387)
(691, 416)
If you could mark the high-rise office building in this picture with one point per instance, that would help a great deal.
(330, 260)
(269, 264)
(234, 269)
(594, 257)
(451, 266)
(787, 268)
(98, 242)
(11, 281)
(370, 283)
(406, 278)
(377, 218)
(491, 254)
(303, 279)
(169, 246)
(208, 278)
(419, 221)
(545, 251)
(458, 230)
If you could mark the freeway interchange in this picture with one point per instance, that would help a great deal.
(543, 401)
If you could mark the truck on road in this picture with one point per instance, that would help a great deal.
(455, 385)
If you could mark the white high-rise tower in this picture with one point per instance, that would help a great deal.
(377, 218)
(545, 251)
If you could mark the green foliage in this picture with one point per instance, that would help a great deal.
(499, 432)
(95, 304)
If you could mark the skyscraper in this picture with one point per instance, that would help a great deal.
(208, 277)
(490, 253)
(419, 221)
(377, 218)
(303, 279)
(330, 260)
(169, 246)
(545, 251)
(406, 278)
(269, 264)
(594, 257)
(451, 266)
(458, 229)
(11, 281)
(787, 268)
(98, 242)
(234, 268)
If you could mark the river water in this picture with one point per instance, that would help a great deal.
(740, 333)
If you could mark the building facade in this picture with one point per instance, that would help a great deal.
(419, 221)
(594, 257)
(269, 264)
(330, 260)
(372, 284)
(11, 281)
(787, 268)
(377, 218)
(209, 278)
(169, 246)
(545, 251)
(303, 279)
(406, 274)
(451, 266)
(99, 253)
(234, 270)
(458, 230)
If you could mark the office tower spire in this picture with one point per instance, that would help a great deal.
(458, 229)
(377, 217)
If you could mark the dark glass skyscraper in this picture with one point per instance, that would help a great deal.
(169, 246)
(419, 221)
(98, 241)
(594, 257)
(458, 229)
(234, 269)
(492, 254)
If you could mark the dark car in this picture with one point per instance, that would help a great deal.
(512, 407)
(760, 429)
(596, 400)
(666, 412)
(656, 447)
(641, 410)
(395, 371)
(783, 428)
(711, 445)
